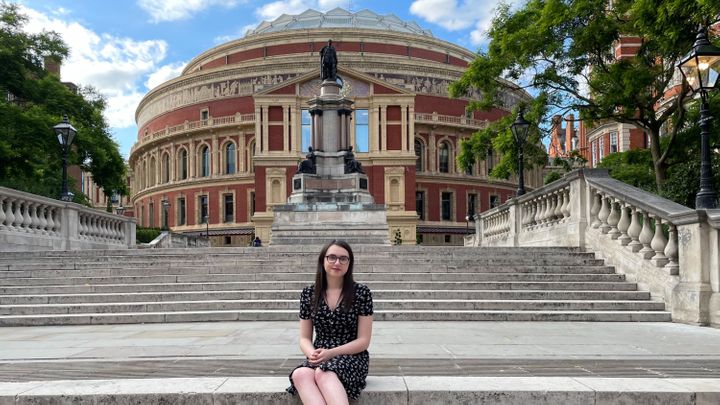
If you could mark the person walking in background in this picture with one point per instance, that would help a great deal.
(339, 311)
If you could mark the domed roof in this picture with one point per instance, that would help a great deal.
(338, 18)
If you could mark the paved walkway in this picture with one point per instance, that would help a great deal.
(508, 349)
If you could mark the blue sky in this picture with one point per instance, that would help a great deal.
(125, 48)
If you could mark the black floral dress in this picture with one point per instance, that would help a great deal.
(336, 328)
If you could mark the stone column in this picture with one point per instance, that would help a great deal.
(215, 156)
(432, 150)
(383, 128)
(265, 130)
(286, 128)
(403, 126)
(691, 297)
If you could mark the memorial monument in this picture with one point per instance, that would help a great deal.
(330, 197)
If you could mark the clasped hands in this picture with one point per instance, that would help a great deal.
(319, 356)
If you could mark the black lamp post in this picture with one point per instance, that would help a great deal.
(165, 204)
(700, 69)
(120, 209)
(520, 129)
(207, 227)
(65, 135)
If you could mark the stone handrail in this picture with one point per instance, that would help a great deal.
(32, 222)
(210, 123)
(177, 240)
(435, 118)
(669, 249)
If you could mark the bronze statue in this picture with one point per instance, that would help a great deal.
(309, 165)
(328, 62)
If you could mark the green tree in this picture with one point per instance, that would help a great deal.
(33, 101)
(552, 43)
(633, 167)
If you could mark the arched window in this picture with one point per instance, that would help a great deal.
(143, 173)
(420, 153)
(230, 158)
(183, 164)
(204, 161)
(444, 158)
(166, 168)
(152, 174)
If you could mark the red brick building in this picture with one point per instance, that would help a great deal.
(222, 141)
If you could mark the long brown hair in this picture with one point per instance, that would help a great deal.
(348, 289)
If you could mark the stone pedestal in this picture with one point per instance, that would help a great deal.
(321, 222)
(330, 197)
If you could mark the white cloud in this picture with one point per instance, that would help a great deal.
(164, 73)
(271, 11)
(172, 10)
(113, 65)
(119, 68)
(452, 16)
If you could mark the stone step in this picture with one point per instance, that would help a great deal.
(310, 250)
(294, 262)
(386, 390)
(67, 299)
(387, 305)
(298, 285)
(244, 269)
(309, 277)
(291, 315)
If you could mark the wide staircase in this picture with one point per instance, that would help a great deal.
(248, 284)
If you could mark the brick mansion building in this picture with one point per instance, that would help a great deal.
(217, 146)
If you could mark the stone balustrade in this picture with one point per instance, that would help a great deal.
(31, 222)
(668, 249)
(188, 126)
(451, 120)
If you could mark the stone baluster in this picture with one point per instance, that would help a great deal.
(538, 210)
(595, 209)
(82, 228)
(566, 203)
(658, 244)
(671, 251)
(613, 219)
(42, 218)
(93, 227)
(529, 214)
(18, 215)
(34, 220)
(634, 230)
(550, 212)
(27, 219)
(9, 215)
(2, 212)
(624, 224)
(646, 236)
(558, 205)
(52, 226)
(604, 214)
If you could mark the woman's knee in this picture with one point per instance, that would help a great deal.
(325, 376)
(303, 375)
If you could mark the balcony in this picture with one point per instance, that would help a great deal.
(199, 125)
(449, 120)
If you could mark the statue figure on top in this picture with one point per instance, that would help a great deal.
(328, 62)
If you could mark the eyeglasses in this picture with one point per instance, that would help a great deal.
(333, 259)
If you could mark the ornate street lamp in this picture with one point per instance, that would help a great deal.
(120, 209)
(65, 135)
(520, 129)
(700, 69)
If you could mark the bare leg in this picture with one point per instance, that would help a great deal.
(332, 389)
(304, 380)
